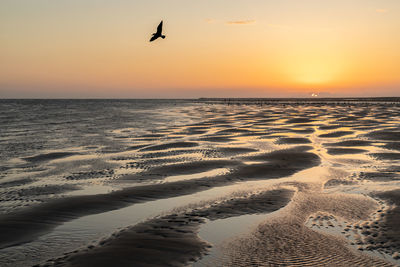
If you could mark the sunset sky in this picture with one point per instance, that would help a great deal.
(213, 48)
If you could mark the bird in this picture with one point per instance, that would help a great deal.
(158, 34)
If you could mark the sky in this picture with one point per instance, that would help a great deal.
(213, 48)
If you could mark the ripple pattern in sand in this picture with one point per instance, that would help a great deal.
(248, 141)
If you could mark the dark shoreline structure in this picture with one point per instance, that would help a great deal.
(300, 163)
(294, 101)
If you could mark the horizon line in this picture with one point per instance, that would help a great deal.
(212, 98)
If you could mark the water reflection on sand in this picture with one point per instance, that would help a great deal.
(197, 164)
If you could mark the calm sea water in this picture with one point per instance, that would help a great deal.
(34, 134)
(31, 126)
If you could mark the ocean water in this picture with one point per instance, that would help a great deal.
(29, 127)
(36, 135)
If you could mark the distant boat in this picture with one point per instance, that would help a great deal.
(158, 33)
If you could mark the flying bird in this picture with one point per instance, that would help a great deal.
(158, 33)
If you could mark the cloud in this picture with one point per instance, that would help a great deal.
(210, 20)
(241, 22)
(382, 10)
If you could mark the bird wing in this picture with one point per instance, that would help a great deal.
(159, 28)
(153, 38)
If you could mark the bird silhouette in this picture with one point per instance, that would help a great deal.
(158, 33)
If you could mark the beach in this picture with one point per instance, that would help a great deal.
(205, 182)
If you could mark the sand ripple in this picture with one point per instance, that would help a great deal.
(268, 142)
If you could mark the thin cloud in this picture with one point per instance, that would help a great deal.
(382, 10)
(210, 20)
(241, 22)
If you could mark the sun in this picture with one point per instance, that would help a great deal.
(314, 73)
(310, 69)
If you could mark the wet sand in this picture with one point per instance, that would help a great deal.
(172, 239)
(286, 241)
(23, 226)
(324, 176)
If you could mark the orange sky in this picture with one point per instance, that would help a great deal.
(224, 48)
